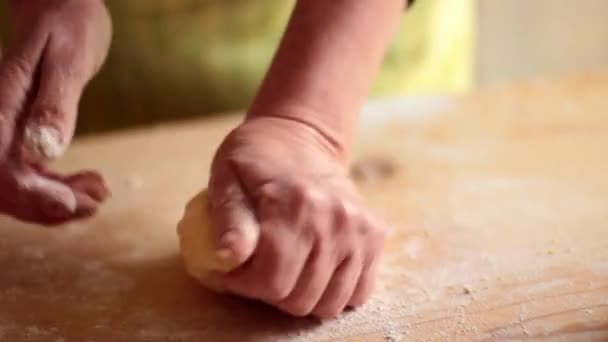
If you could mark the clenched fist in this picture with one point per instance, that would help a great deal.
(319, 245)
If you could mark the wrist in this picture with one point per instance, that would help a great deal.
(303, 121)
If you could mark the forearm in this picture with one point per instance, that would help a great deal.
(326, 63)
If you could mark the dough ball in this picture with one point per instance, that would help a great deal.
(196, 244)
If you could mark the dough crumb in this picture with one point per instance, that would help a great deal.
(135, 182)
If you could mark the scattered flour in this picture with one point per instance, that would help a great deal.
(135, 182)
(378, 317)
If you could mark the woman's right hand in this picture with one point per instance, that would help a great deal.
(319, 245)
(57, 47)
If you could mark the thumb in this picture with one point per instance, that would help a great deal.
(235, 228)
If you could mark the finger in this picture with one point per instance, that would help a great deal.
(39, 199)
(276, 265)
(51, 121)
(312, 283)
(57, 215)
(340, 289)
(34, 198)
(17, 77)
(88, 182)
(374, 237)
(366, 283)
(235, 227)
(86, 206)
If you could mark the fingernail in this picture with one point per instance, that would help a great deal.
(57, 209)
(228, 240)
(224, 260)
(44, 141)
(224, 254)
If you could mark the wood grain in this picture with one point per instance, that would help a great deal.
(498, 207)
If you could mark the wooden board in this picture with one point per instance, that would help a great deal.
(498, 204)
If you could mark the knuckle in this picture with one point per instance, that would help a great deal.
(19, 68)
(349, 209)
(318, 232)
(345, 218)
(309, 193)
(369, 229)
(269, 193)
(343, 211)
(307, 198)
(225, 196)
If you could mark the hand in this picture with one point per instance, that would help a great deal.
(319, 245)
(57, 47)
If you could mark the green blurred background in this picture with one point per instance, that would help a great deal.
(175, 59)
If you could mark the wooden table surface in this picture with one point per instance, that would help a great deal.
(498, 204)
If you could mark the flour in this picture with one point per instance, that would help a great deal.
(34, 253)
(45, 141)
(412, 247)
(378, 317)
(135, 182)
(6, 327)
(35, 332)
(410, 110)
(100, 280)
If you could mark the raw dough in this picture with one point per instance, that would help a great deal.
(196, 244)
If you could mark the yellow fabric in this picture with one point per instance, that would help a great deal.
(433, 51)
